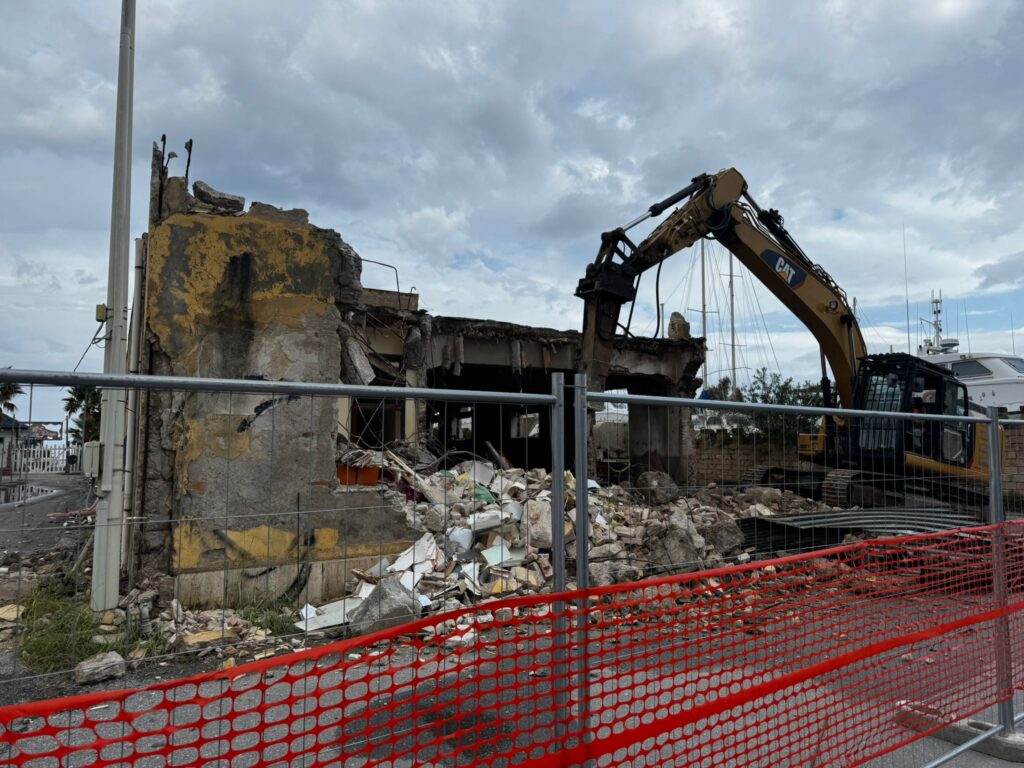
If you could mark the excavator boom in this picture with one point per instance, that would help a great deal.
(717, 206)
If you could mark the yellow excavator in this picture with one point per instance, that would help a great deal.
(871, 461)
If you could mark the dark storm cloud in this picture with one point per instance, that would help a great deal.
(1008, 272)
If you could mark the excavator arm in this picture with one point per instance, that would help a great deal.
(717, 206)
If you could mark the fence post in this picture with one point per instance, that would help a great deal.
(557, 420)
(563, 677)
(580, 425)
(1004, 664)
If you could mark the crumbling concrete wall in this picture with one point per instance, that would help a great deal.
(229, 480)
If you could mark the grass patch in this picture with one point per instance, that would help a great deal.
(57, 633)
(273, 618)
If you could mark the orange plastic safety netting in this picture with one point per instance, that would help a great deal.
(830, 658)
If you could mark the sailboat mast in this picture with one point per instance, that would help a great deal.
(732, 321)
(703, 314)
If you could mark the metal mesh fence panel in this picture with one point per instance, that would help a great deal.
(828, 658)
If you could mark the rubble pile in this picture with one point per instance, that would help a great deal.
(488, 533)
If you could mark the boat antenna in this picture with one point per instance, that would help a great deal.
(967, 327)
(1013, 339)
(906, 284)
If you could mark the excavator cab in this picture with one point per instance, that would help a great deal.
(907, 384)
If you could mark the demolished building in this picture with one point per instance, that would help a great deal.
(229, 485)
(408, 346)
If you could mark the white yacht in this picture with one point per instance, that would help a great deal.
(992, 378)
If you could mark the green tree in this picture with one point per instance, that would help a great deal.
(724, 390)
(83, 402)
(784, 428)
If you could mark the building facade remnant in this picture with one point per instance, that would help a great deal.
(227, 483)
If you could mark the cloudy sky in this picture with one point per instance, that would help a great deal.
(482, 147)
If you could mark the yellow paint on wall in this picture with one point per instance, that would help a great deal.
(261, 544)
(281, 253)
(200, 549)
(188, 546)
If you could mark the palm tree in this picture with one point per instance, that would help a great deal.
(84, 400)
(9, 391)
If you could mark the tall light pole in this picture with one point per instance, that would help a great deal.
(107, 554)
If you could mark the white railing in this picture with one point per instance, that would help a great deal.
(42, 460)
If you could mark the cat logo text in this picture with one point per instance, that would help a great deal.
(793, 275)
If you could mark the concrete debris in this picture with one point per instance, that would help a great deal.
(723, 534)
(389, 605)
(680, 545)
(356, 362)
(293, 216)
(331, 615)
(488, 532)
(102, 666)
(657, 487)
(221, 201)
(210, 636)
(538, 527)
(359, 457)
(10, 612)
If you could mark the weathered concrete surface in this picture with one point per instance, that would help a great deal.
(231, 480)
(388, 605)
(226, 202)
(229, 297)
(657, 487)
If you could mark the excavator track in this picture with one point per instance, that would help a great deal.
(836, 490)
(755, 475)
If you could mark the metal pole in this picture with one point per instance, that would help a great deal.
(965, 747)
(260, 387)
(563, 679)
(703, 315)
(580, 425)
(557, 411)
(732, 322)
(1004, 666)
(31, 392)
(109, 513)
(135, 332)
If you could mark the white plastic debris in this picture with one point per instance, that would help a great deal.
(477, 471)
(424, 551)
(485, 520)
(501, 554)
(307, 611)
(513, 510)
(331, 615)
(462, 538)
